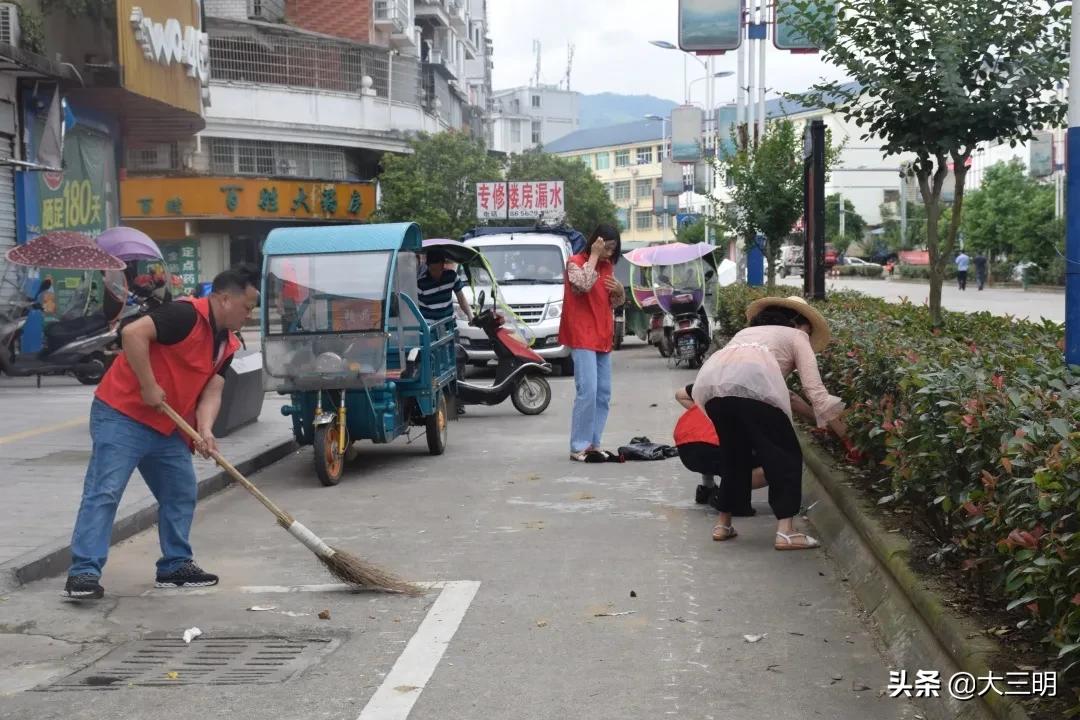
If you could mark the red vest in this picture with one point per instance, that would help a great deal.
(588, 322)
(182, 370)
(695, 427)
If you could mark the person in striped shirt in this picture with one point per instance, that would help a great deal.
(437, 288)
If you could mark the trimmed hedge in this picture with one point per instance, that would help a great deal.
(972, 431)
(872, 271)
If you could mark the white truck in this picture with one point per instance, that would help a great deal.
(529, 264)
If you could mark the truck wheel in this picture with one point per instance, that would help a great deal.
(435, 425)
(531, 395)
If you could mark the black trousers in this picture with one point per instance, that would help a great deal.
(701, 458)
(961, 279)
(756, 433)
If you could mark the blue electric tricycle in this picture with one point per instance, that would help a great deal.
(344, 338)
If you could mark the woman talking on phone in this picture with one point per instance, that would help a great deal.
(587, 328)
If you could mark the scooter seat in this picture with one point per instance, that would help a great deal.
(62, 332)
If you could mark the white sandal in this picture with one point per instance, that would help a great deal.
(810, 543)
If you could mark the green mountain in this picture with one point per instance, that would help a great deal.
(606, 109)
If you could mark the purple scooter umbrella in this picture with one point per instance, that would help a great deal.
(127, 243)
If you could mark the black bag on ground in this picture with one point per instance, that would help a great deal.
(641, 448)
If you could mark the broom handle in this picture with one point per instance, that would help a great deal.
(283, 517)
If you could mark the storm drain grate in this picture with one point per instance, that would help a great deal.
(222, 661)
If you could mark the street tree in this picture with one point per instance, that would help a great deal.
(691, 233)
(934, 78)
(435, 184)
(1012, 213)
(893, 236)
(767, 190)
(587, 201)
(854, 224)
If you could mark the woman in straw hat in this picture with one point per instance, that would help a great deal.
(743, 389)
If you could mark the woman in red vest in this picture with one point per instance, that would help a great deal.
(588, 328)
(176, 354)
(699, 450)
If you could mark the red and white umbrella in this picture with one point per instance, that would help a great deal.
(64, 250)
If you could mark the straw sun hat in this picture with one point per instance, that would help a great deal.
(819, 328)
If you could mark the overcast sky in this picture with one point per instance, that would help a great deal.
(612, 50)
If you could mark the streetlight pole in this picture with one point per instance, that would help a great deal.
(1072, 208)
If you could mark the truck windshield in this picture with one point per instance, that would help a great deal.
(525, 264)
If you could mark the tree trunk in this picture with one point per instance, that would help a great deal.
(770, 259)
(930, 187)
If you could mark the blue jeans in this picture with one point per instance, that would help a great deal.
(592, 381)
(120, 445)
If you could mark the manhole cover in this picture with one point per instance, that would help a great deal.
(222, 661)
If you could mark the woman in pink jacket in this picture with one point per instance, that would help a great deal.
(743, 389)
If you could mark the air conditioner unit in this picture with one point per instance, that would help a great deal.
(9, 24)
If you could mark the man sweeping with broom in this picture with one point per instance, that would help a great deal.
(178, 353)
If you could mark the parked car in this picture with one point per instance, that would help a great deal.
(831, 256)
(791, 260)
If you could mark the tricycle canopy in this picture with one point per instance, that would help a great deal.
(331, 301)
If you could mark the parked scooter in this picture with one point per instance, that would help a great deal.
(519, 374)
(83, 342)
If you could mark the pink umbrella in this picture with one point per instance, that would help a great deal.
(64, 250)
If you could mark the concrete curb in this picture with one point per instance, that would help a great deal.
(919, 631)
(1055, 289)
(54, 558)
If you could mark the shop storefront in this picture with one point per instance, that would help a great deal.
(206, 224)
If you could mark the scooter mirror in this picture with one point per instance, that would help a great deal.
(483, 296)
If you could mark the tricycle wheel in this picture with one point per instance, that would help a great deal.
(329, 460)
(436, 427)
(531, 395)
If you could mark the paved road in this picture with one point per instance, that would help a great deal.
(999, 301)
(44, 449)
(542, 560)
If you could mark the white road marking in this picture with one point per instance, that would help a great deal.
(401, 688)
(274, 589)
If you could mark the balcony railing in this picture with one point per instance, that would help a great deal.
(395, 14)
(300, 61)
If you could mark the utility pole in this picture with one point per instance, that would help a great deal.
(1072, 208)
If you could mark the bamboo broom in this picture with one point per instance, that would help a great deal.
(342, 565)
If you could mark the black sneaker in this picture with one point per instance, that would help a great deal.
(84, 587)
(187, 575)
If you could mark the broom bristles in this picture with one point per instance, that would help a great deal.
(365, 576)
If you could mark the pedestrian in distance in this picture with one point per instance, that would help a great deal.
(981, 264)
(177, 354)
(587, 327)
(743, 389)
(963, 262)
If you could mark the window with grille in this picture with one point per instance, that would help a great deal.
(644, 155)
(603, 161)
(643, 220)
(622, 190)
(643, 189)
(153, 158)
(622, 158)
(536, 126)
(229, 156)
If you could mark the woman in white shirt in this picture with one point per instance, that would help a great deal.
(743, 389)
